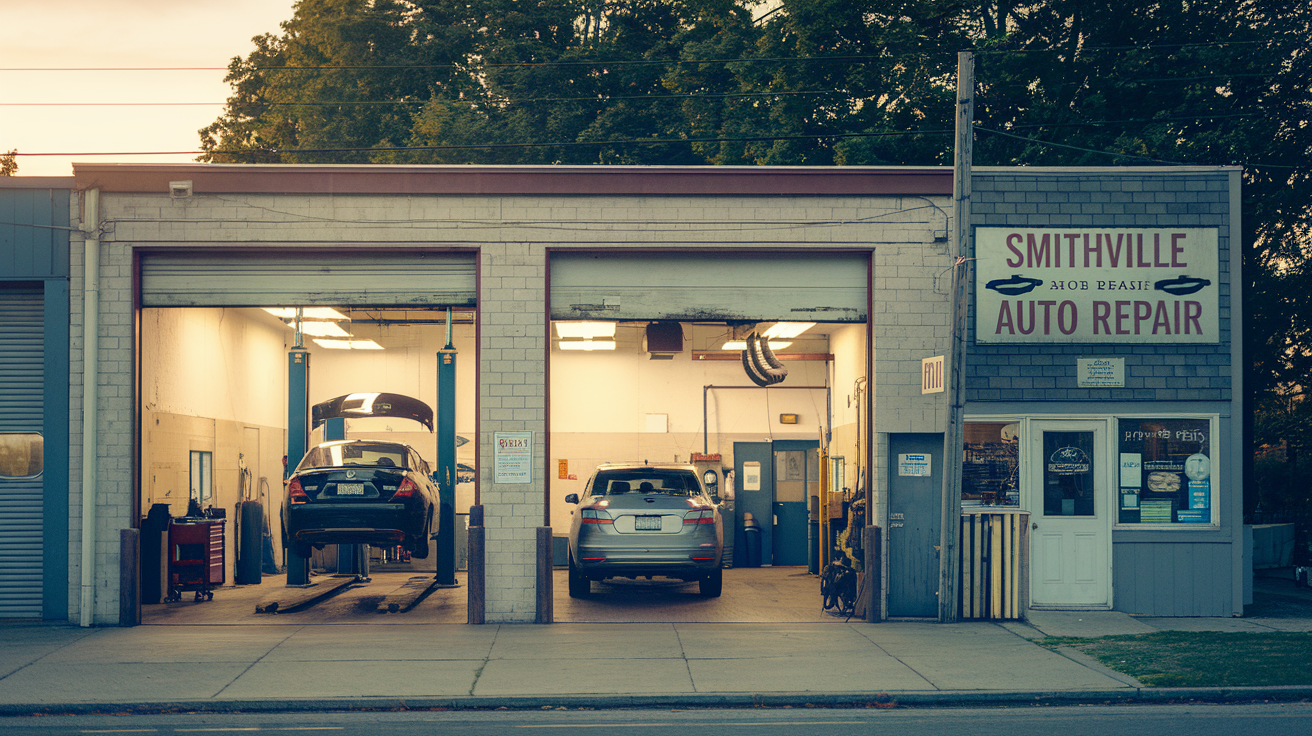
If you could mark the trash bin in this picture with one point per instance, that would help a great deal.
(751, 541)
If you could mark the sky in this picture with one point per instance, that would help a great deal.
(101, 34)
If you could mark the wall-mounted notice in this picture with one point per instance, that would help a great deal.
(512, 457)
(751, 476)
(913, 465)
(931, 375)
(1100, 372)
(1083, 285)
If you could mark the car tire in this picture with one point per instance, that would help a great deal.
(579, 585)
(711, 585)
(420, 548)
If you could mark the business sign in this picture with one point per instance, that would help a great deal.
(1096, 285)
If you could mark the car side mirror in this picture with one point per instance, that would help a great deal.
(572, 498)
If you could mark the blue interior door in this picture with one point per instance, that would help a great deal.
(796, 478)
(754, 497)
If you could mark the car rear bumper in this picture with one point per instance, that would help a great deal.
(601, 562)
(383, 524)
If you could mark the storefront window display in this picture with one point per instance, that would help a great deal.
(990, 473)
(1165, 471)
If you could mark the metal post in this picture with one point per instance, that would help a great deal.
(953, 437)
(476, 600)
(298, 437)
(129, 578)
(447, 472)
(545, 589)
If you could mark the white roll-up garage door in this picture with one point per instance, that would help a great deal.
(329, 278)
(769, 286)
(22, 377)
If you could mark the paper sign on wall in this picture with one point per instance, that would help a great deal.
(751, 476)
(512, 457)
(913, 465)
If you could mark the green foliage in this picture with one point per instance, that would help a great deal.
(815, 82)
(9, 163)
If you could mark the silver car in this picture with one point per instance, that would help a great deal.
(638, 520)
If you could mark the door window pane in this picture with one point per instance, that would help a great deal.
(21, 455)
(1068, 470)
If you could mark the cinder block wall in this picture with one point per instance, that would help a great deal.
(511, 235)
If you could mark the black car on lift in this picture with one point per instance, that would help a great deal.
(362, 491)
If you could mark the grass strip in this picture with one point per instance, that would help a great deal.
(1202, 658)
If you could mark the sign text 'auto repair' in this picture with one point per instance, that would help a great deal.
(1096, 285)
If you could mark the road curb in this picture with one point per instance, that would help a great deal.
(912, 699)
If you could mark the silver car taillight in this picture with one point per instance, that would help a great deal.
(596, 516)
(701, 516)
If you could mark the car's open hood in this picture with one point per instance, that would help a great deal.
(354, 406)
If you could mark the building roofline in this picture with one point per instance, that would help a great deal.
(37, 182)
(513, 180)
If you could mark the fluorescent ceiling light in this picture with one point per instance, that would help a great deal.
(348, 344)
(320, 313)
(787, 329)
(742, 345)
(587, 344)
(321, 329)
(585, 330)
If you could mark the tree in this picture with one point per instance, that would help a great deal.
(821, 82)
(9, 163)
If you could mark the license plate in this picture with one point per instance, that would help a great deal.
(647, 523)
(350, 489)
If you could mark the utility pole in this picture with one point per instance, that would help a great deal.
(954, 436)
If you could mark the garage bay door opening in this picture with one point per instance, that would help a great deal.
(218, 348)
(647, 368)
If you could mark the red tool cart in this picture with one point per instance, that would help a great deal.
(195, 556)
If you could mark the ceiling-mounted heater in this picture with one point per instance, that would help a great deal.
(664, 340)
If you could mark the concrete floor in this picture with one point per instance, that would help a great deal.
(751, 595)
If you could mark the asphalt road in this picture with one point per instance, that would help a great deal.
(1292, 719)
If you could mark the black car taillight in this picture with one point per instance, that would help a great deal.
(408, 489)
(295, 493)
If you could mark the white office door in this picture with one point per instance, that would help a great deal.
(1070, 551)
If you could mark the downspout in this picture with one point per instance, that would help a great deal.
(90, 399)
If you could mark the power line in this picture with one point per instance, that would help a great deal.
(476, 146)
(642, 62)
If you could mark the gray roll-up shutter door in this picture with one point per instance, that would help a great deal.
(758, 287)
(326, 278)
(22, 389)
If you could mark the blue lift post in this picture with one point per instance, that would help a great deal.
(298, 436)
(446, 460)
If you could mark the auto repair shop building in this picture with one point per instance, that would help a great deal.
(1102, 404)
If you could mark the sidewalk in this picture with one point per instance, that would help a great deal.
(58, 668)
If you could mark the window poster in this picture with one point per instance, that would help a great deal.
(1165, 471)
(990, 470)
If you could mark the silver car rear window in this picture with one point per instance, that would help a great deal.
(646, 480)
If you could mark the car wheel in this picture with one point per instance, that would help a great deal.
(712, 584)
(419, 548)
(579, 585)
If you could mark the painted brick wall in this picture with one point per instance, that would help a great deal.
(1126, 198)
(512, 235)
